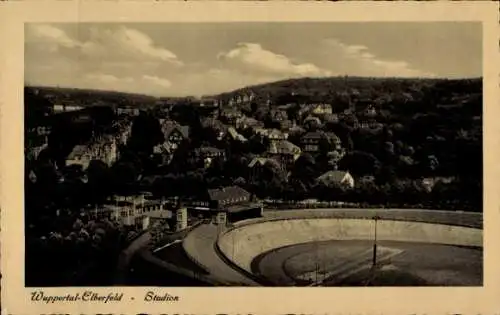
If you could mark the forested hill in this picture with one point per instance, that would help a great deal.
(92, 97)
(378, 90)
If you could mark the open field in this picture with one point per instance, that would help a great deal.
(349, 263)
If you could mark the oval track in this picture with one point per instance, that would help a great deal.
(349, 263)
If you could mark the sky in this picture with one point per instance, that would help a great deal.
(180, 59)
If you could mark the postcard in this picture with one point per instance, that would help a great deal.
(249, 158)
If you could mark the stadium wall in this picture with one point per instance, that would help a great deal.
(241, 244)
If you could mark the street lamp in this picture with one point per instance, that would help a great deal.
(374, 261)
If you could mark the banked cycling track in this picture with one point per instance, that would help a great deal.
(334, 247)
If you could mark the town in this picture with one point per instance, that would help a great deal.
(103, 167)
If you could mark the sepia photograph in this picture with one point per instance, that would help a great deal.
(274, 154)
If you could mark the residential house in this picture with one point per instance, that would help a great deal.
(276, 135)
(36, 141)
(285, 152)
(207, 155)
(233, 135)
(255, 167)
(334, 157)
(128, 111)
(103, 148)
(80, 155)
(209, 102)
(245, 122)
(331, 118)
(271, 134)
(174, 133)
(321, 109)
(370, 124)
(248, 97)
(215, 128)
(304, 111)
(122, 130)
(243, 98)
(279, 119)
(40, 131)
(230, 116)
(334, 140)
(340, 178)
(33, 152)
(370, 111)
(166, 151)
(310, 141)
(285, 107)
(296, 130)
(62, 108)
(277, 115)
(286, 125)
(428, 183)
(124, 133)
(135, 210)
(312, 121)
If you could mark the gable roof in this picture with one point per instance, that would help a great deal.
(206, 149)
(333, 176)
(168, 126)
(78, 150)
(226, 193)
(283, 147)
(257, 160)
(313, 135)
(235, 135)
(312, 118)
(276, 133)
(332, 136)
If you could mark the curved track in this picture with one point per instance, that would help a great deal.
(349, 263)
(333, 247)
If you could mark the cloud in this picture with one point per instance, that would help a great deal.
(365, 63)
(124, 42)
(52, 35)
(107, 78)
(252, 57)
(115, 44)
(105, 57)
(157, 80)
(148, 84)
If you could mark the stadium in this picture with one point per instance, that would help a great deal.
(334, 247)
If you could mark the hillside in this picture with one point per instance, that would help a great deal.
(335, 89)
(87, 97)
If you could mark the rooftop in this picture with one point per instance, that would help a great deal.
(284, 147)
(77, 151)
(333, 176)
(227, 193)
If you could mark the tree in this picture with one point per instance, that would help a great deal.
(305, 169)
(330, 191)
(146, 133)
(99, 181)
(360, 163)
(124, 175)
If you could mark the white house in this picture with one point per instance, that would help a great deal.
(342, 178)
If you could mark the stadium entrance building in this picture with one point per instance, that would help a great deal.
(227, 204)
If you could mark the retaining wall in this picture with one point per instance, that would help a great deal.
(244, 242)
